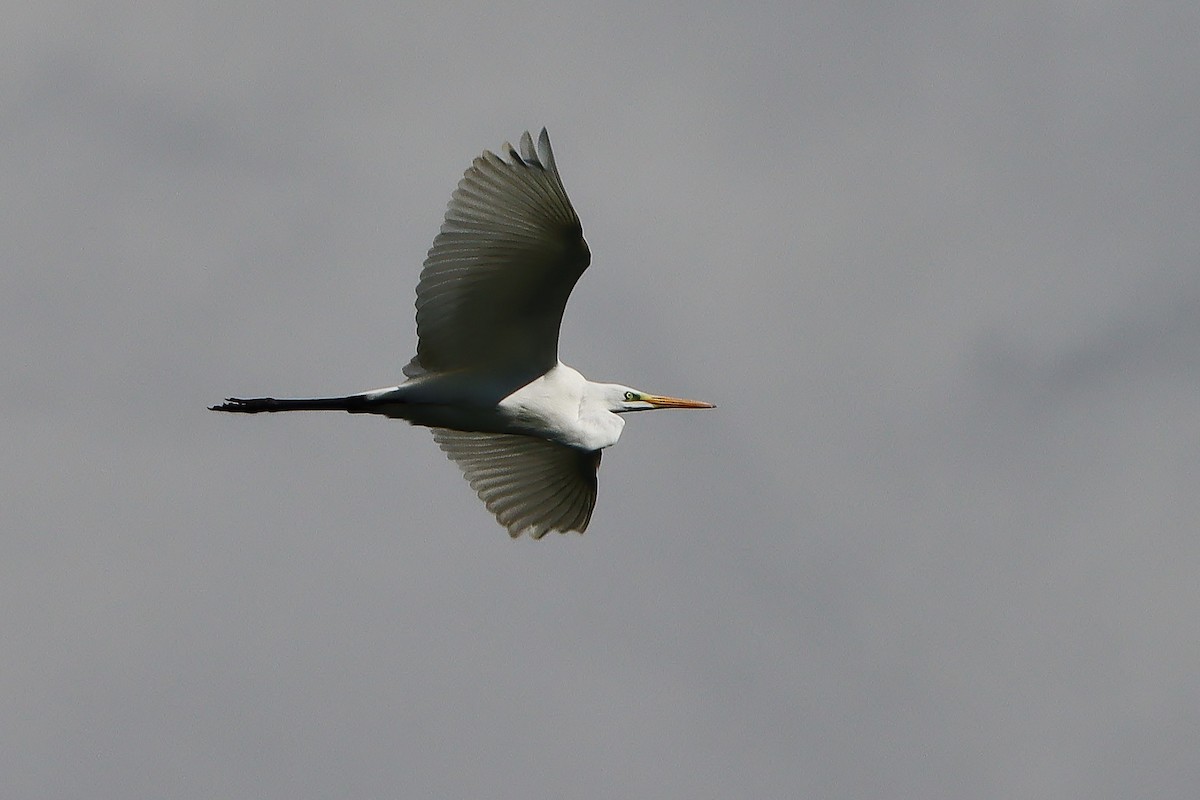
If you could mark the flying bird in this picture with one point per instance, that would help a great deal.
(525, 429)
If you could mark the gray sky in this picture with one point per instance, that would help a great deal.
(937, 267)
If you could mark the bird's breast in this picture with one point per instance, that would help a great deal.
(554, 407)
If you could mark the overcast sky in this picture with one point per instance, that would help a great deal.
(939, 269)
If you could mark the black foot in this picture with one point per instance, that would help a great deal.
(244, 406)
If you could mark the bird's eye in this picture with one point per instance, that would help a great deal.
(630, 396)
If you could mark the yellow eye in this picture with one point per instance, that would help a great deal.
(630, 396)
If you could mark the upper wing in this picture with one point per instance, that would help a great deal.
(532, 485)
(497, 278)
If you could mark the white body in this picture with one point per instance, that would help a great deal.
(557, 406)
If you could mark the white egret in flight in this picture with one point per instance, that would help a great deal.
(525, 429)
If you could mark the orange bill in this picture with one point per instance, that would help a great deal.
(660, 401)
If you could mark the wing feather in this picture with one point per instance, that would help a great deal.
(531, 485)
(496, 281)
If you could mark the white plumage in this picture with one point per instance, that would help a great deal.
(525, 429)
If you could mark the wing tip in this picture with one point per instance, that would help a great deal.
(530, 155)
(538, 533)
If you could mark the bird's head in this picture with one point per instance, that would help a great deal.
(620, 399)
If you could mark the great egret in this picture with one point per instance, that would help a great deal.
(525, 429)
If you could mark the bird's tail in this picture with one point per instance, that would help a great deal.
(255, 405)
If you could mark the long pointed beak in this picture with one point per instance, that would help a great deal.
(659, 401)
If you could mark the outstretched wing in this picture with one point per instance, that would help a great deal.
(496, 281)
(532, 485)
